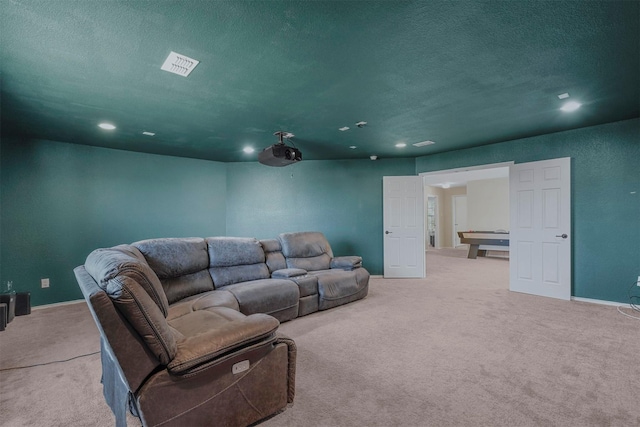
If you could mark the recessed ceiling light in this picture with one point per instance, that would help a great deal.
(570, 106)
(423, 143)
(148, 133)
(563, 95)
(353, 147)
(248, 150)
(446, 185)
(401, 145)
(179, 64)
(361, 124)
(343, 128)
(106, 126)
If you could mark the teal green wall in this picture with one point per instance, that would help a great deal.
(341, 198)
(60, 201)
(605, 198)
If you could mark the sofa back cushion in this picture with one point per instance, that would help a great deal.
(235, 259)
(308, 250)
(273, 254)
(180, 263)
(135, 290)
(106, 265)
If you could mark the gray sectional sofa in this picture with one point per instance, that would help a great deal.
(189, 326)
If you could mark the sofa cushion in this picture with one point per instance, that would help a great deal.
(346, 262)
(180, 263)
(135, 292)
(203, 301)
(277, 297)
(108, 266)
(206, 335)
(178, 288)
(173, 257)
(307, 250)
(231, 251)
(320, 262)
(224, 276)
(287, 273)
(235, 259)
(147, 319)
(273, 254)
(201, 321)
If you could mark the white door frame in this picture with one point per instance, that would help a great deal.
(466, 169)
(480, 167)
(426, 176)
(436, 238)
(454, 219)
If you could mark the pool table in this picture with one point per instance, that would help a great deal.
(482, 241)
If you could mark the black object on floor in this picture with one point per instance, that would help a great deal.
(23, 303)
(3, 316)
(10, 300)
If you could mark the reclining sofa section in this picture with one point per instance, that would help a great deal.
(189, 325)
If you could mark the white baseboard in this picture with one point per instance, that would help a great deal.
(57, 304)
(376, 276)
(601, 302)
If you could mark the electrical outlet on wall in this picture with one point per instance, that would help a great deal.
(44, 283)
(638, 282)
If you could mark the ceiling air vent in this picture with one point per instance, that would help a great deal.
(423, 143)
(179, 64)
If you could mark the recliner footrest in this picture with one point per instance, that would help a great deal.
(337, 287)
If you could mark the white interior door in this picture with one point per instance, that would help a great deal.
(459, 218)
(539, 239)
(403, 221)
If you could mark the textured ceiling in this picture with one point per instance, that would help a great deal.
(459, 73)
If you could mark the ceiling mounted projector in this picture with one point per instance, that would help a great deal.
(280, 154)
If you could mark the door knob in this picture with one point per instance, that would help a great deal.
(563, 235)
(388, 232)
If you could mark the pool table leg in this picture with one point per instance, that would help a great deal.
(473, 251)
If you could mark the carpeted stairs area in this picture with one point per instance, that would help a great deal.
(454, 349)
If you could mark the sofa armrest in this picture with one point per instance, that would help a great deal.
(346, 262)
(286, 273)
(202, 348)
(291, 372)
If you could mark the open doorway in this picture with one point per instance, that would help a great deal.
(471, 198)
(538, 203)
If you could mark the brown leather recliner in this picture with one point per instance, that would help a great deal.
(189, 325)
(200, 362)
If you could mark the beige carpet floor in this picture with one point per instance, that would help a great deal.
(454, 349)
